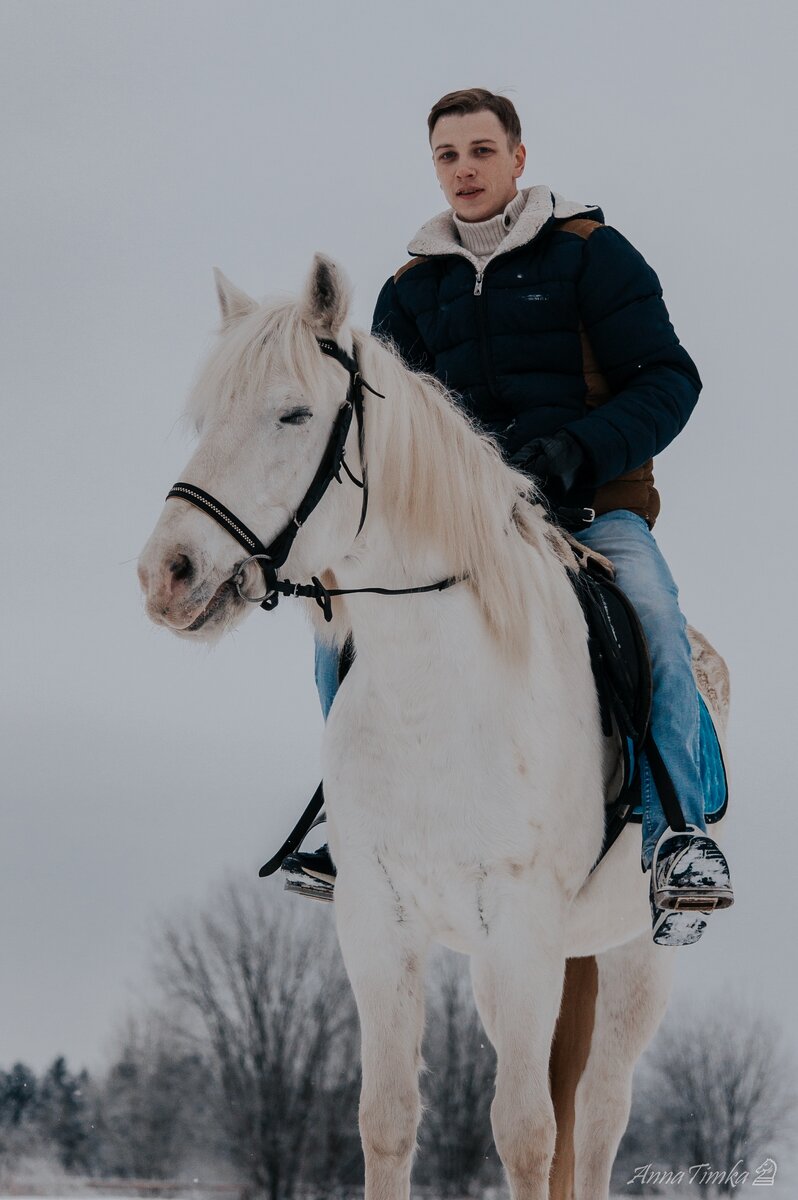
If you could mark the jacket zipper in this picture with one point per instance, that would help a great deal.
(483, 335)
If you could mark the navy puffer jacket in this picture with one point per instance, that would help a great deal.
(565, 327)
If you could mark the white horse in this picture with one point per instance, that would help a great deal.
(464, 766)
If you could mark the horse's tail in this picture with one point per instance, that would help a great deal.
(569, 1052)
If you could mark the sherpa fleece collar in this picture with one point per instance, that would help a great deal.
(440, 236)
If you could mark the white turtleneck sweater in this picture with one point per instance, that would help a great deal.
(483, 238)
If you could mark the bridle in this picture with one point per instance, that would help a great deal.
(270, 558)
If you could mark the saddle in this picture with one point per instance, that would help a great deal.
(622, 673)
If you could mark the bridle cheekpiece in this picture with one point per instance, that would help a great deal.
(270, 558)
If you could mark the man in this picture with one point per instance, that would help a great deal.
(551, 329)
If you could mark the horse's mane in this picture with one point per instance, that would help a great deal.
(434, 478)
(443, 482)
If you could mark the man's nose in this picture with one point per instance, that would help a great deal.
(463, 170)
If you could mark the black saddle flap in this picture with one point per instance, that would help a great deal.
(631, 654)
(619, 653)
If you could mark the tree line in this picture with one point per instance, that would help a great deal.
(246, 1069)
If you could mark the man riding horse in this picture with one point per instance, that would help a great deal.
(550, 328)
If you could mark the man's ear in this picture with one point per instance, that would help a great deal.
(324, 303)
(233, 303)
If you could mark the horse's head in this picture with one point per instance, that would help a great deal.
(265, 406)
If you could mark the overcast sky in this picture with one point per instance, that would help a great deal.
(144, 143)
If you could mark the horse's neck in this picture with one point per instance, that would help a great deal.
(442, 634)
(389, 628)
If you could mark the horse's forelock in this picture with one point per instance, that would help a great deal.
(274, 337)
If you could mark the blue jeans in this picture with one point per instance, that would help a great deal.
(641, 572)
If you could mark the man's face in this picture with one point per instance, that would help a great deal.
(475, 166)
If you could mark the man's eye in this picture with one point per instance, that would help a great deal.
(297, 416)
(446, 154)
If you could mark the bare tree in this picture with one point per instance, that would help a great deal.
(153, 1110)
(457, 1144)
(718, 1090)
(266, 984)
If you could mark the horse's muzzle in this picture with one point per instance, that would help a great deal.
(182, 594)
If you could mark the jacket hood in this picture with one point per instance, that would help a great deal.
(440, 236)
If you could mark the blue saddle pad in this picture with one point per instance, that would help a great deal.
(713, 771)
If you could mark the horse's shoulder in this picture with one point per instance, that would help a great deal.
(414, 262)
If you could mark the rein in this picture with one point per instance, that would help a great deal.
(270, 558)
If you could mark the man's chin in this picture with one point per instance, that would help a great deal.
(481, 208)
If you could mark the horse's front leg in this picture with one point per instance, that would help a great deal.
(384, 950)
(518, 977)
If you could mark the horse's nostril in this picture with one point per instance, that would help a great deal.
(181, 567)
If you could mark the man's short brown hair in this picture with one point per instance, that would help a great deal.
(471, 100)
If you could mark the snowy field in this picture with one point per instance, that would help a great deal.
(81, 1190)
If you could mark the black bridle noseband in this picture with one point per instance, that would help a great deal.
(270, 558)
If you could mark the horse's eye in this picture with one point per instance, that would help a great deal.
(297, 416)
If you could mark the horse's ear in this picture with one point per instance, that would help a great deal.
(325, 300)
(233, 303)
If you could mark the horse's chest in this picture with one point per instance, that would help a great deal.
(457, 801)
(446, 827)
(430, 792)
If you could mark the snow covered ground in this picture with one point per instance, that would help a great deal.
(70, 1195)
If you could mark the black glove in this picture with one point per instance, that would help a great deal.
(553, 461)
